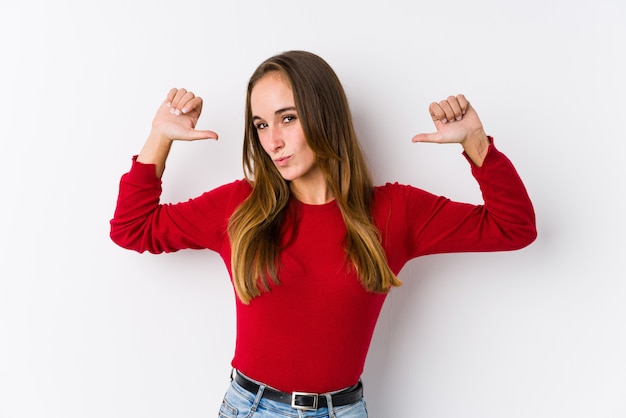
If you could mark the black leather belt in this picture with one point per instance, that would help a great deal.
(303, 400)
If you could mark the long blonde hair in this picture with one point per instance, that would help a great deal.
(254, 228)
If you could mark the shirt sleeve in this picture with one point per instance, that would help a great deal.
(141, 223)
(430, 224)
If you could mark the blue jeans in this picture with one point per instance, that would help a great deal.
(239, 403)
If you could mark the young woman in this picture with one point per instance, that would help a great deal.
(311, 245)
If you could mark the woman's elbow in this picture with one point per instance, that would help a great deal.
(125, 238)
(525, 235)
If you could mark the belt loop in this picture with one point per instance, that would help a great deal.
(257, 399)
(331, 408)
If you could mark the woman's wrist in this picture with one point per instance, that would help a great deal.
(476, 146)
(155, 151)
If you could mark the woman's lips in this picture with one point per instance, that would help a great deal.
(282, 161)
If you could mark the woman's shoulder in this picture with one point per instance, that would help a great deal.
(399, 193)
(242, 185)
(392, 189)
(236, 188)
(386, 194)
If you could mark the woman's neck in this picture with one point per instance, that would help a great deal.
(311, 191)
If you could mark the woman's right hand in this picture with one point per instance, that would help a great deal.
(175, 120)
(177, 117)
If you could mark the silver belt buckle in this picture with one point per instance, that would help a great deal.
(304, 407)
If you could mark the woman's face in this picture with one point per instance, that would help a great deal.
(278, 125)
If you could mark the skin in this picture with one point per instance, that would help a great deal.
(280, 132)
(455, 121)
(176, 119)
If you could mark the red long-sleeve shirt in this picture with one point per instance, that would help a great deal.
(312, 332)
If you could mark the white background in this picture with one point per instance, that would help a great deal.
(88, 329)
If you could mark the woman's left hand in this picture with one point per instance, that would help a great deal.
(455, 120)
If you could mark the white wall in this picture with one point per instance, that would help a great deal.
(88, 329)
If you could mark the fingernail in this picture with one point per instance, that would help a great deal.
(444, 120)
(185, 110)
(459, 117)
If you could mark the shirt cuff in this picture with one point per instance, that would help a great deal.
(142, 173)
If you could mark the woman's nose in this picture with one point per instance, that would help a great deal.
(275, 140)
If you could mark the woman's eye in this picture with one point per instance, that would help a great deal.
(261, 125)
(288, 119)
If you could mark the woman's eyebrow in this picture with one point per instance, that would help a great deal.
(285, 109)
(278, 112)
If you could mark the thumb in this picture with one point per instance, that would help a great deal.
(427, 137)
(195, 134)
